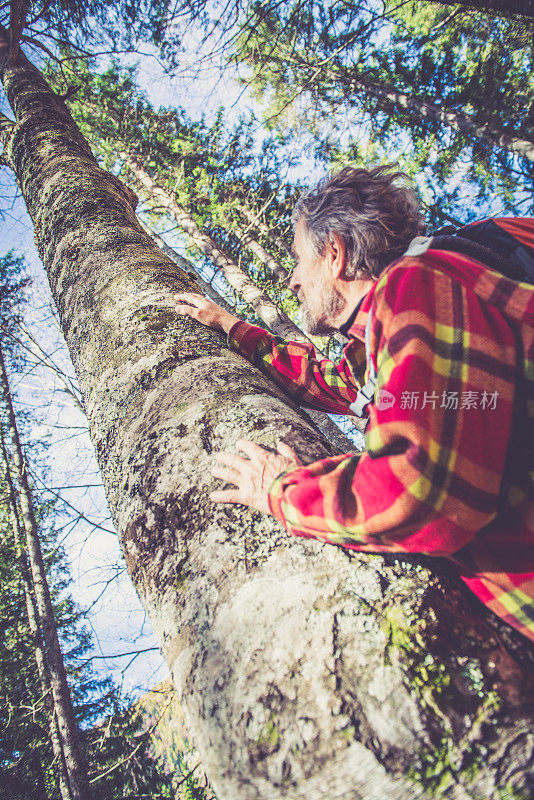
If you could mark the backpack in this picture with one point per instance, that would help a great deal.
(505, 244)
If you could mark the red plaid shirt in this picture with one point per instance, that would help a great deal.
(453, 345)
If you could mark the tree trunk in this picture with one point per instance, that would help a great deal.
(275, 319)
(185, 265)
(70, 737)
(522, 9)
(255, 221)
(35, 630)
(454, 119)
(259, 251)
(304, 671)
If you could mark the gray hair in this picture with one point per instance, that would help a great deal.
(376, 218)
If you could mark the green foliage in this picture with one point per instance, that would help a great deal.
(117, 752)
(26, 761)
(85, 24)
(27, 769)
(228, 180)
(13, 283)
(308, 60)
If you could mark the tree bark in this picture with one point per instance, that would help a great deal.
(454, 119)
(70, 736)
(35, 630)
(305, 671)
(185, 265)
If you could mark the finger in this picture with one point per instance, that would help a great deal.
(227, 475)
(188, 296)
(188, 299)
(231, 460)
(252, 449)
(188, 311)
(226, 496)
(287, 451)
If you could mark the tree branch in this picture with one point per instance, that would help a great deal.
(17, 21)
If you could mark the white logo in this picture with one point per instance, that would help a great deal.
(384, 399)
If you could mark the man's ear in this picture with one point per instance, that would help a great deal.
(337, 255)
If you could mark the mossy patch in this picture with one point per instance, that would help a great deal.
(454, 755)
(269, 734)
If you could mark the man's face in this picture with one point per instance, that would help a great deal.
(312, 281)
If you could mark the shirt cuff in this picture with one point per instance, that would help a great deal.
(274, 498)
(244, 337)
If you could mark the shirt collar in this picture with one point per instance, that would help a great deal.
(354, 327)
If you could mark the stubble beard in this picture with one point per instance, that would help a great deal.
(331, 305)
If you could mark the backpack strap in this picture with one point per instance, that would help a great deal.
(367, 393)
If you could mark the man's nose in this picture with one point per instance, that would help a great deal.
(294, 282)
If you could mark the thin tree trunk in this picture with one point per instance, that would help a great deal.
(259, 251)
(35, 630)
(255, 221)
(454, 119)
(70, 736)
(267, 310)
(304, 671)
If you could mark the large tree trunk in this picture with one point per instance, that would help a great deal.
(35, 630)
(487, 132)
(70, 736)
(327, 426)
(304, 671)
(187, 267)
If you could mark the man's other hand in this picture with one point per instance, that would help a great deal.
(205, 311)
(253, 476)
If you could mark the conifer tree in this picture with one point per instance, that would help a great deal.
(31, 741)
(449, 92)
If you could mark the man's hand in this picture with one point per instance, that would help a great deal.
(205, 311)
(254, 475)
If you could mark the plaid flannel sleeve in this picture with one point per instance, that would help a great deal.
(315, 383)
(437, 440)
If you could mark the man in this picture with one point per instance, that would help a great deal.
(449, 462)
